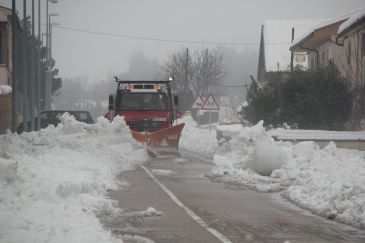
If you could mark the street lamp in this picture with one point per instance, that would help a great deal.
(48, 87)
(50, 34)
(48, 19)
(50, 39)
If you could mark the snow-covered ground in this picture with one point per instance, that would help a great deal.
(53, 182)
(329, 181)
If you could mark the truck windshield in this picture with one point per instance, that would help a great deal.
(143, 101)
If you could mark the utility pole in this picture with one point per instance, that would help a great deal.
(48, 85)
(47, 95)
(292, 52)
(24, 68)
(32, 73)
(13, 78)
(186, 66)
(186, 72)
(38, 69)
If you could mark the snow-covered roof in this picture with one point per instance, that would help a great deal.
(5, 3)
(323, 24)
(278, 35)
(5, 89)
(353, 19)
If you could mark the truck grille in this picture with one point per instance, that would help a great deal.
(146, 125)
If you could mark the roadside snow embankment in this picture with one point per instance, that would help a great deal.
(329, 182)
(53, 182)
(197, 139)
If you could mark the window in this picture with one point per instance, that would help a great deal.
(143, 101)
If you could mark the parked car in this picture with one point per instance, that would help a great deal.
(53, 117)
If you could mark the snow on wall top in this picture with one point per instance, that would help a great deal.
(354, 18)
(278, 39)
(281, 133)
(5, 89)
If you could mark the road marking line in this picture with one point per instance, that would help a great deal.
(187, 210)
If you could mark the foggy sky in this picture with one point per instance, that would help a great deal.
(97, 56)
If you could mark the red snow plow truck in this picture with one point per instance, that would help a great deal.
(150, 111)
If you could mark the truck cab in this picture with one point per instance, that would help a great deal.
(145, 105)
(148, 109)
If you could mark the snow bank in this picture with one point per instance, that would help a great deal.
(7, 170)
(5, 89)
(53, 182)
(329, 182)
(197, 139)
(248, 147)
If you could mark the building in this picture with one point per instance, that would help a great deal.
(276, 39)
(5, 68)
(340, 40)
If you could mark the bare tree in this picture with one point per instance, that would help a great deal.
(196, 74)
(208, 71)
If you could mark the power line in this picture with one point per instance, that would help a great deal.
(164, 40)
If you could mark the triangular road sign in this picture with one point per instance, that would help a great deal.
(210, 103)
(198, 103)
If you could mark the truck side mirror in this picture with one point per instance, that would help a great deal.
(111, 102)
(176, 100)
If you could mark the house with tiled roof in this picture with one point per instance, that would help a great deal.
(340, 40)
(5, 67)
(276, 38)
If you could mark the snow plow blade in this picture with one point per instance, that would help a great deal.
(164, 140)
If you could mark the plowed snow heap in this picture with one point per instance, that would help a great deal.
(149, 110)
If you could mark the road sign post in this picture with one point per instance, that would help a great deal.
(198, 105)
(210, 104)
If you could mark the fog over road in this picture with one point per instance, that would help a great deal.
(236, 213)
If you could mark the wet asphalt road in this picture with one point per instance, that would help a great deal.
(241, 215)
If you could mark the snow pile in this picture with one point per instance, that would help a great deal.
(5, 89)
(197, 139)
(330, 182)
(249, 147)
(7, 169)
(53, 182)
